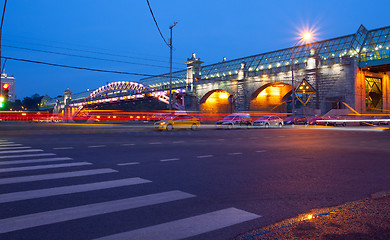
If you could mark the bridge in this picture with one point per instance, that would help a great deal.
(350, 71)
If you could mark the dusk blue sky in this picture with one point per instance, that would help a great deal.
(211, 29)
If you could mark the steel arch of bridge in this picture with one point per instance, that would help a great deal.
(135, 88)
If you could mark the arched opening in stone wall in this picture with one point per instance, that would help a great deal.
(216, 101)
(272, 97)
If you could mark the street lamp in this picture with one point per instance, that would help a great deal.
(170, 67)
(305, 37)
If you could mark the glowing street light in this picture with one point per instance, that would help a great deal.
(305, 38)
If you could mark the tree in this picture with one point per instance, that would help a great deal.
(32, 103)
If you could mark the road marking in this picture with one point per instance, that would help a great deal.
(12, 148)
(187, 227)
(128, 144)
(171, 159)
(36, 160)
(97, 146)
(261, 151)
(178, 142)
(221, 139)
(154, 143)
(21, 151)
(29, 155)
(40, 193)
(236, 153)
(130, 163)
(267, 137)
(1, 143)
(205, 156)
(67, 214)
(63, 148)
(201, 140)
(281, 136)
(16, 169)
(9, 145)
(51, 176)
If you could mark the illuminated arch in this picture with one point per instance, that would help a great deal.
(216, 101)
(133, 87)
(271, 97)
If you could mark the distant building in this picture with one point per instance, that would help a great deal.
(11, 81)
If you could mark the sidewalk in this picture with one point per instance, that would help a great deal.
(365, 219)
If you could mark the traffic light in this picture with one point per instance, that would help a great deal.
(5, 88)
(1, 102)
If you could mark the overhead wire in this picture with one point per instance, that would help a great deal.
(87, 51)
(155, 21)
(81, 56)
(77, 67)
(83, 68)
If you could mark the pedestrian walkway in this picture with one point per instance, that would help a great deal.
(20, 167)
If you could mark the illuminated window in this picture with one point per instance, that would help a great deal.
(374, 94)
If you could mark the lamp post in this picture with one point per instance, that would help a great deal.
(170, 67)
(305, 37)
(1, 30)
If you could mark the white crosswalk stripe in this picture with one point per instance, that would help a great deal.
(187, 227)
(35, 160)
(12, 148)
(191, 225)
(66, 214)
(4, 142)
(17, 196)
(22, 151)
(28, 155)
(9, 145)
(52, 176)
(16, 169)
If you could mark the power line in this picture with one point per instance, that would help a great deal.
(85, 68)
(81, 56)
(157, 24)
(89, 51)
(77, 67)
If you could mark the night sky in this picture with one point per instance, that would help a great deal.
(123, 31)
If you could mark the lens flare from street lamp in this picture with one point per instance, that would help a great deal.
(306, 36)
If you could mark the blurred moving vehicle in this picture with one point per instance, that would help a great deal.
(268, 121)
(177, 122)
(314, 120)
(234, 120)
(367, 121)
(335, 121)
(295, 120)
(384, 120)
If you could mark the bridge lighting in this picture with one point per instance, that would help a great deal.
(307, 36)
(223, 95)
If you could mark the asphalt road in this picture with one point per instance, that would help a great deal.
(207, 184)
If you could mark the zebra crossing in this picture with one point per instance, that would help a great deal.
(18, 165)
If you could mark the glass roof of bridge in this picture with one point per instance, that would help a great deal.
(364, 44)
